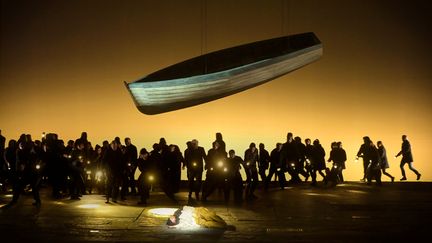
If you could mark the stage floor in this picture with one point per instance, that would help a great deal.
(351, 212)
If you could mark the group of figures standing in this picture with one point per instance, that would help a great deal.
(77, 168)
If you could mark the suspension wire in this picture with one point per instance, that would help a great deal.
(288, 8)
(282, 17)
(285, 16)
(204, 31)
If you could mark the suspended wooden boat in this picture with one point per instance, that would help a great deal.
(223, 73)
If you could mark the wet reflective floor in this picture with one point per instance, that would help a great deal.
(351, 212)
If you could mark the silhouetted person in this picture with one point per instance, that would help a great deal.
(2, 142)
(263, 162)
(362, 152)
(384, 161)
(318, 161)
(114, 168)
(117, 140)
(194, 158)
(105, 146)
(289, 157)
(300, 167)
(126, 166)
(221, 142)
(407, 158)
(147, 176)
(338, 156)
(171, 165)
(177, 169)
(163, 146)
(131, 158)
(234, 179)
(3, 166)
(2, 149)
(308, 156)
(99, 175)
(83, 138)
(275, 167)
(57, 164)
(76, 170)
(26, 171)
(214, 165)
(374, 170)
(10, 162)
(250, 165)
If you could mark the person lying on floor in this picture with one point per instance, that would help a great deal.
(191, 218)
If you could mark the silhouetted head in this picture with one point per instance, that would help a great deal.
(156, 147)
(297, 139)
(84, 136)
(105, 144)
(117, 140)
(307, 141)
(12, 144)
(316, 142)
(404, 138)
(162, 142)
(218, 136)
(289, 137)
(114, 145)
(339, 144)
(279, 146)
(231, 153)
(195, 143)
(127, 141)
(380, 144)
(22, 138)
(143, 153)
(261, 146)
(252, 147)
(172, 148)
(98, 149)
(28, 138)
(334, 145)
(70, 143)
(366, 139)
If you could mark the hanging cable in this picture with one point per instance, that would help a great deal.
(285, 15)
(204, 31)
(288, 7)
(282, 17)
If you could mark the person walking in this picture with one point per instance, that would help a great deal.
(407, 158)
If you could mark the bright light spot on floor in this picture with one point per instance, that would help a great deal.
(162, 212)
(357, 191)
(1, 205)
(312, 194)
(89, 206)
(8, 195)
(94, 231)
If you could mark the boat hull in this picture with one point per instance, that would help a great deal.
(168, 95)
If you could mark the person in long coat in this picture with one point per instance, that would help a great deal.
(318, 161)
(384, 161)
(407, 158)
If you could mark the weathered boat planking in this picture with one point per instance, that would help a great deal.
(223, 73)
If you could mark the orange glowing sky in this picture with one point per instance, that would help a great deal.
(63, 64)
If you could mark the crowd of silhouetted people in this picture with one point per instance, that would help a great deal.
(77, 168)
